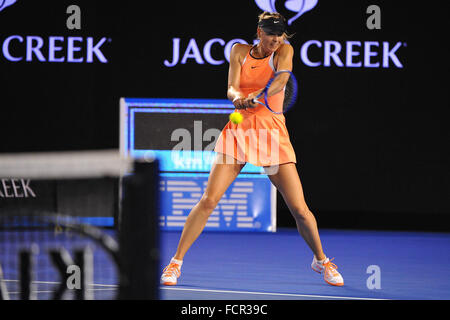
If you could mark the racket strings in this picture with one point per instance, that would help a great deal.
(288, 94)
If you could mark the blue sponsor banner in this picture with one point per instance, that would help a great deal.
(150, 128)
(191, 161)
(245, 206)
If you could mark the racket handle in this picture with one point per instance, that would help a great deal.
(255, 100)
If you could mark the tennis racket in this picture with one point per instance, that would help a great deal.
(290, 92)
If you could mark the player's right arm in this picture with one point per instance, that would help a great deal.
(237, 55)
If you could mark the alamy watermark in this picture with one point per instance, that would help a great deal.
(374, 280)
(74, 20)
(374, 20)
(258, 146)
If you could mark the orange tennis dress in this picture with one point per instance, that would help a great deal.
(261, 138)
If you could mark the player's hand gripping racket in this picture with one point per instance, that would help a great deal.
(290, 93)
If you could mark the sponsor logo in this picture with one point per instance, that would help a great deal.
(352, 54)
(313, 53)
(16, 188)
(297, 7)
(192, 51)
(6, 3)
(26, 48)
(18, 48)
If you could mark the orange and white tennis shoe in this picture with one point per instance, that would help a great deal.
(171, 273)
(329, 270)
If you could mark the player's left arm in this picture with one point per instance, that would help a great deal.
(285, 57)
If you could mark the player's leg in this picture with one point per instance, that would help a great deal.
(287, 181)
(223, 172)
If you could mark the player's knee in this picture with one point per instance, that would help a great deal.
(301, 213)
(208, 202)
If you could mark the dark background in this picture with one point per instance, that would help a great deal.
(372, 144)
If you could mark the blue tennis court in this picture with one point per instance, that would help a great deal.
(413, 265)
(276, 266)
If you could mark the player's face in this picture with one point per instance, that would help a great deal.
(270, 42)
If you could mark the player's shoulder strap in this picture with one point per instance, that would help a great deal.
(242, 50)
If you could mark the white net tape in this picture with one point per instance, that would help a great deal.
(65, 165)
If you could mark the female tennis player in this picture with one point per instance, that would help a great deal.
(251, 67)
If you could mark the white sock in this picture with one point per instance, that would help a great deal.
(322, 261)
(178, 262)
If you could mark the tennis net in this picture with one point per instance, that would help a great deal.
(78, 225)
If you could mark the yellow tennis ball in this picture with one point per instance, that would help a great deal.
(236, 117)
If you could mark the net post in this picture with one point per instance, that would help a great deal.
(139, 233)
(27, 262)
